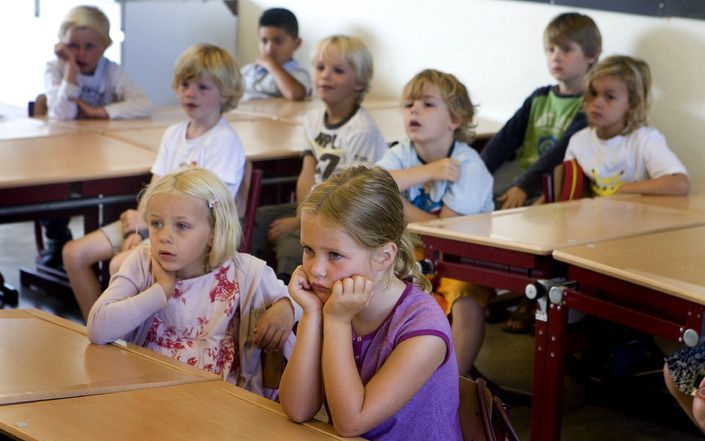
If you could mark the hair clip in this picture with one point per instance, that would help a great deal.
(212, 203)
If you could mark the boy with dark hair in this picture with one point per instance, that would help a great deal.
(275, 73)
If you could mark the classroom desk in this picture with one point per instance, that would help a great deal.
(695, 200)
(653, 283)
(207, 411)
(295, 111)
(40, 175)
(263, 139)
(16, 127)
(46, 357)
(512, 248)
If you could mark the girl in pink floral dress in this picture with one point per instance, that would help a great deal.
(189, 294)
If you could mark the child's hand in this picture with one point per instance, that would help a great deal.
(282, 226)
(273, 328)
(300, 290)
(165, 279)
(63, 53)
(265, 60)
(349, 297)
(131, 242)
(88, 111)
(446, 169)
(512, 198)
(131, 220)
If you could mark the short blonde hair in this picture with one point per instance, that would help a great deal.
(365, 204)
(204, 185)
(217, 62)
(636, 76)
(88, 17)
(576, 27)
(354, 52)
(454, 94)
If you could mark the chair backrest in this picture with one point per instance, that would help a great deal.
(482, 416)
(474, 410)
(38, 107)
(566, 183)
(247, 201)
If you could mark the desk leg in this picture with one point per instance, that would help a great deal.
(549, 361)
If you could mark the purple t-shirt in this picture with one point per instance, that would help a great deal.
(433, 412)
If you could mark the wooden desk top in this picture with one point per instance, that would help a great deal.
(294, 111)
(669, 261)
(262, 138)
(207, 411)
(16, 127)
(694, 201)
(46, 357)
(540, 230)
(69, 158)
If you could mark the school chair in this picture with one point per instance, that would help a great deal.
(483, 416)
(38, 107)
(566, 183)
(247, 201)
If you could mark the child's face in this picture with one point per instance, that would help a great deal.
(567, 62)
(335, 80)
(200, 98)
(606, 106)
(87, 48)
(277, 43)
(331, 255)
(179, 233)
(427, 118)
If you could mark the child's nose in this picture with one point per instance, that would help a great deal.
(318, 268)
(165, 234)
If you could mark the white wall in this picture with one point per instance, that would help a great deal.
(157, 31)
(495, 48)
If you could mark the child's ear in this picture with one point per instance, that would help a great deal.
(297, 42)
(385, 256)
(359, 87)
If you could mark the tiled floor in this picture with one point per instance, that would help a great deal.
(637, 413)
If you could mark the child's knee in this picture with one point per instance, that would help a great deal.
(71, 253)
(467, 309)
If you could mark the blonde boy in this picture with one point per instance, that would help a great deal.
(339, 135)
(539, 131)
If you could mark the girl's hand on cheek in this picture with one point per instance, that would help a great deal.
(300, 290)
(165, 279)
(349, 297)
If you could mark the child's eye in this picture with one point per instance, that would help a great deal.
(73, 46)
(320, 67)
(334, 256)
(90, 46)
(408, 104)
(428, 104)
(307, 250)
(339, 70)
(155, 224)
(203, 87)
(182, 226)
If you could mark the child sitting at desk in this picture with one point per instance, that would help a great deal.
(371, 342)
(339, 135)
(208, 83)
(276, 73)
(82, 83)
(188, 293)
(539, 131)
(618, 152)
(440, 175)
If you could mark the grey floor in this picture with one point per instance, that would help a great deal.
(644, 412)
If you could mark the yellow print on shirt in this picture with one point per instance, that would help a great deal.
(606, 186)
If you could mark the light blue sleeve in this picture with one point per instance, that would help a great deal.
(393, 159)
(472, 193)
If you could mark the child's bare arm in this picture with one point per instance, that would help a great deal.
(669, 185)
(289, 86)
(301, 387)
(445, 169)
(274, 326)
